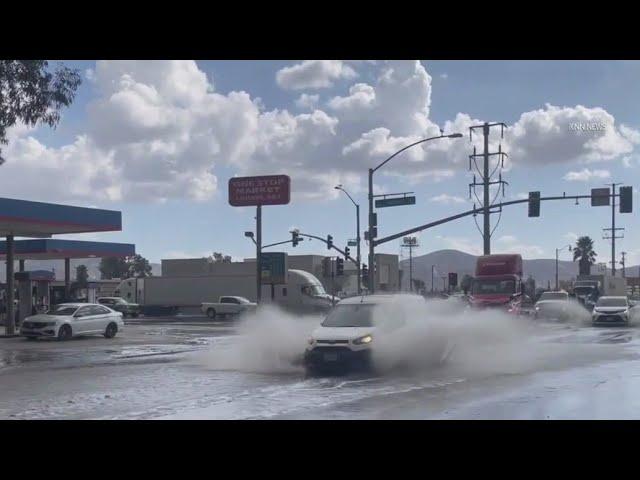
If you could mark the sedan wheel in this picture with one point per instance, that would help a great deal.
(64, 333)
(111, 330)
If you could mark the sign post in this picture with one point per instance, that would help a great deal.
(259, 191)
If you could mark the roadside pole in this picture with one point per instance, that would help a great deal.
(258, 253)
(333, 285)
(10, 320)
(258, 192)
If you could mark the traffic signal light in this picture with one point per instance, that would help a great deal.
(295, 238)
(453, 280)
(339, 266)
(534, 204)
(329, 242)
(626, 199)
(346, 252)
(365, 273)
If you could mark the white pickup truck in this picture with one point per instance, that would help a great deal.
(228, 307)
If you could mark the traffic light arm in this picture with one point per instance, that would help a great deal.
(324, 240)
(466, 214)
(279, 243)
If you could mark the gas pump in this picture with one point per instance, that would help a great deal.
(33, 292)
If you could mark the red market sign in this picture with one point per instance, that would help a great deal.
(265, 190)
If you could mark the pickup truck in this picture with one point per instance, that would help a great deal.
(227, 307)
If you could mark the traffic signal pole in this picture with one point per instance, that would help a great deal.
(474, 211)
(613, 228)
(342, 252)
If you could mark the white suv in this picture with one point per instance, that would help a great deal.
(610, 310)
(357, 325)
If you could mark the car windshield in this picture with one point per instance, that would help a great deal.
(313, 290)
(584, 289)
(65, 310)
(356, 315)
(487, 287)
(554, 296)
(612, 302)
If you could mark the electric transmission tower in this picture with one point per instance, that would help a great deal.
(486, 176)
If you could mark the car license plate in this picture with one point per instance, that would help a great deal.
(330, 357)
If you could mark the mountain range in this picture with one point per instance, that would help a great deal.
(543, 271)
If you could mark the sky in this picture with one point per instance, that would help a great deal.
(159, 140)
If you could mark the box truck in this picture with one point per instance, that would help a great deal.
(498, 283)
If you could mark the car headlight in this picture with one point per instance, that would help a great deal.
(537, 309)
(311, 341)
(363, 340)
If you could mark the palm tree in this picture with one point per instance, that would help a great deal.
(584, 252)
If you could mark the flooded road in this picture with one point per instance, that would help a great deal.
(201, 371)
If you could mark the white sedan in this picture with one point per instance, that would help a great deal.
(72, 319)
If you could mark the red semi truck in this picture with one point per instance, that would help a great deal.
(498, 283)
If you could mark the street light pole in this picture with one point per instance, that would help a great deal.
(372, 267)
(339, 187)
(557, 250)
(432, 267)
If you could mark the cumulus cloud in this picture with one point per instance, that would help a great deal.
(313, 74)
(586, 175)
(158, 130)
(361, 95)
(307, 101)
(568, 134)
(155, 131)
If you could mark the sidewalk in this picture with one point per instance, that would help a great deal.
(3, 332)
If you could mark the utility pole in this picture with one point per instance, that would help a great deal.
(622, 262)
(485, 180)
(557, 250)
(613, 236)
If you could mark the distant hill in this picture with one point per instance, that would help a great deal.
(445, 261)
(92, 265)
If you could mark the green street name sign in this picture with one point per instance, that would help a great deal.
(395, 202)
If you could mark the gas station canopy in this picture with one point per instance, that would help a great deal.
(23, 218)
(49, 249)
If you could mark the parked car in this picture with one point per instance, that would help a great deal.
(119, 304)
(227, 307)
(611, 310)
(73, 319)
(553, 305)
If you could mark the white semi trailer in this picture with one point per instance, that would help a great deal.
(173, 294)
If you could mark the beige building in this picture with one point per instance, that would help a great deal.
(387, 275)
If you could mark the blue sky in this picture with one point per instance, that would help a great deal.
(159, 141)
